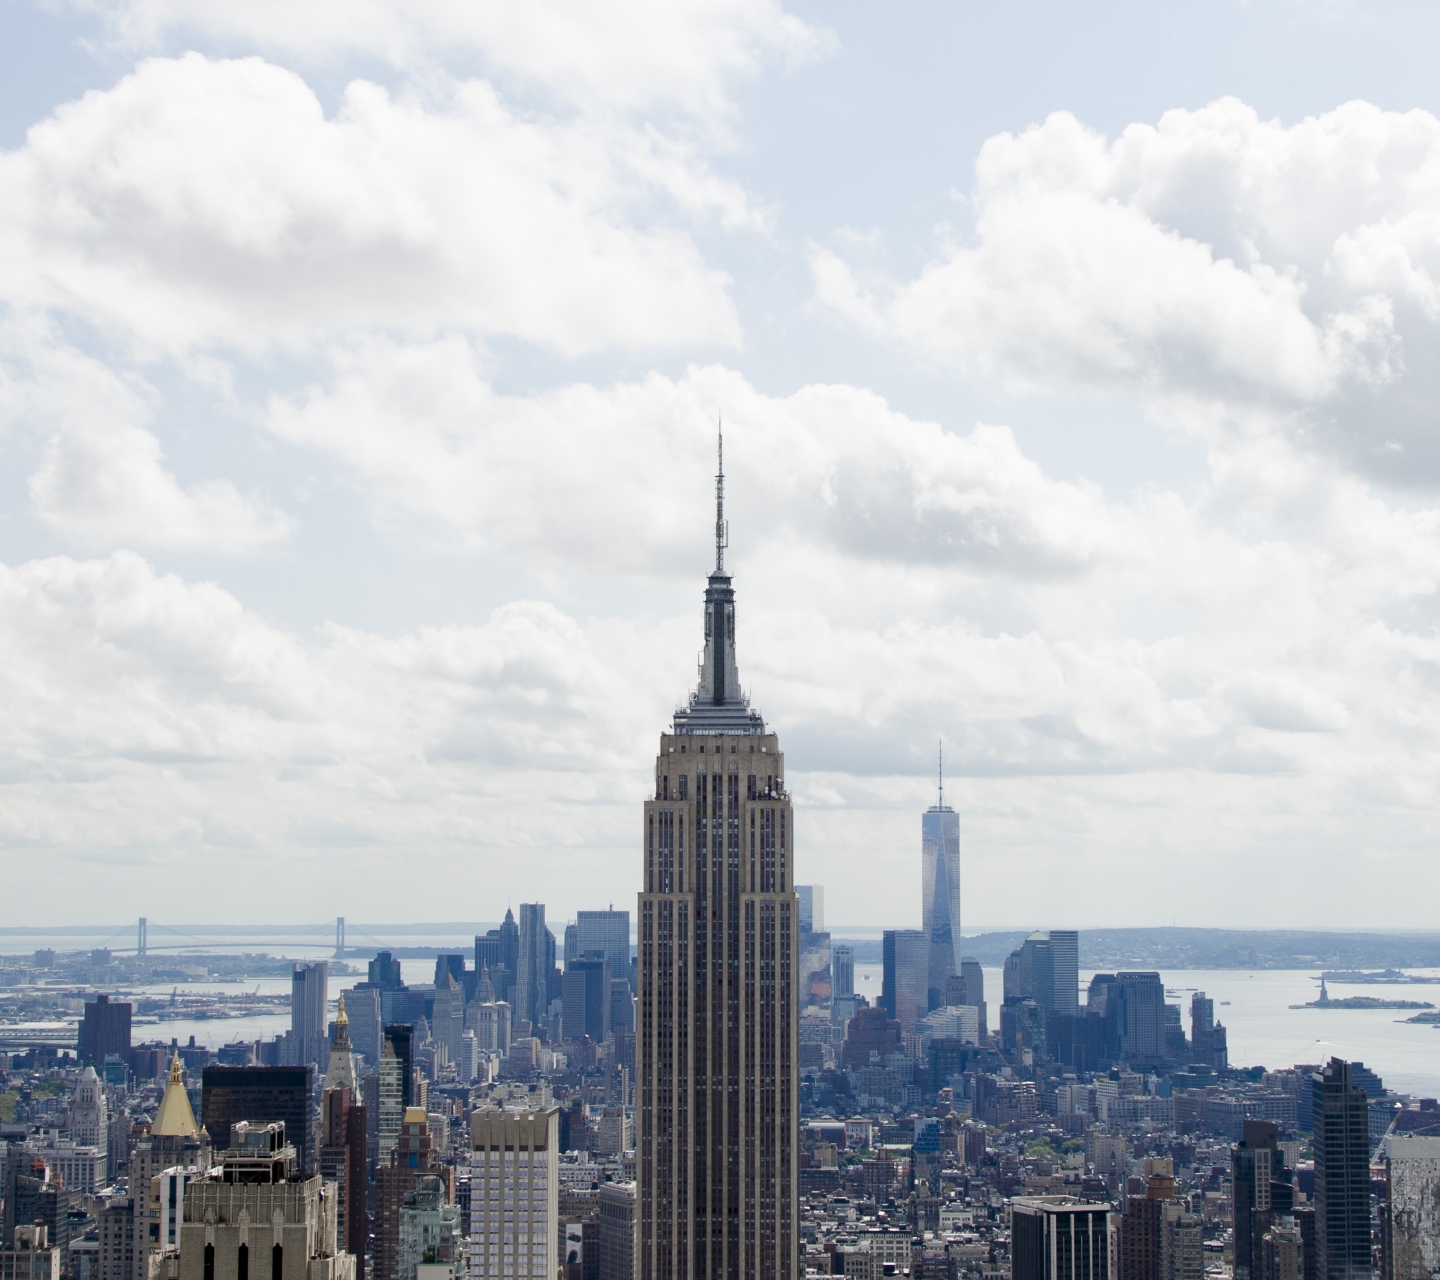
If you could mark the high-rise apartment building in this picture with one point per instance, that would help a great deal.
(940, 890)
(309, 999)
(718, 1036)
(514, 1194)
(905, 975)
(842, 970)
(1340, 1121)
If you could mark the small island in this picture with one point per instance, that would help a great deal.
(1380, 977)
(1360, 1002)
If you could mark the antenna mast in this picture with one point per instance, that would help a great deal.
(942, 773)
(722, 530)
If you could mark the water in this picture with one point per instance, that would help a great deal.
(1264, 1031)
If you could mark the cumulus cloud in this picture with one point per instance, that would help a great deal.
(629, 55)
(425, 430)
(204, 203)
(1213, 257)
(102, 478)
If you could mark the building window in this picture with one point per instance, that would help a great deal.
(209, 1262)
(242, 1265)
(277, 1263)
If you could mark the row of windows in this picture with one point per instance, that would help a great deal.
(242, 1262)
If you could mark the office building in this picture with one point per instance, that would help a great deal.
(1340, 1138)
(617, 1231)
(89, 1115)
(904, 990)
(309, 1001)
(1059, 1239)
(842, 971)
(429, 1232)
(940, 895)
(33, 1195)
(535, 963)
(257, 1217)
(342, 1137)
(413, 1157)
(499, 952)
(261, 1095)
(175, 1141)
(813, 975)
(1208, 1039)
(812, 907)
(718, 1078)
(607, 932)
(1262, 1192)
(490, 1023)
(116, 1227)
(364, 1010)
(82, 1170)
(622, 1007)
(384, 972)
(1411, 1230)
(1135, 1017)
(1045, 968)
(447, 1022)
(104, 1030)
(514, 1194)
(585, 995)
(29, 1255)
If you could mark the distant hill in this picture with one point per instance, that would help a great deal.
(1176, 948)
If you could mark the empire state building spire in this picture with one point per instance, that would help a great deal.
(722, 530)
(718, 705)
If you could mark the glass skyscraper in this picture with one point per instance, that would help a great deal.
(940, 885)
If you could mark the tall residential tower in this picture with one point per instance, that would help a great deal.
(718, 1036)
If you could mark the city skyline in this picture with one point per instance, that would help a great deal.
(359, 406)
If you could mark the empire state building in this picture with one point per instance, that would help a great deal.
(718, 1036)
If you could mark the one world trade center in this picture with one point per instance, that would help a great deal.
(940, 872)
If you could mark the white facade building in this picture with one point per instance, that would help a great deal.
(514, 1195)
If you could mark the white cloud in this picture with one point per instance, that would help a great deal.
(627, 55)
(1214, 256)
(202, 204)
(101, 479)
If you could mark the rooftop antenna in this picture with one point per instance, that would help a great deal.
(722, 530)
(942, 773)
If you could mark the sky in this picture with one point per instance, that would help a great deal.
(360, 366)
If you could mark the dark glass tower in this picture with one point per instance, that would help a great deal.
(1341, 1139)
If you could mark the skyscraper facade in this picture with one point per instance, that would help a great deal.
(940, 888)
(904, 983)
(104, 1030)
(718, 1035)
(608, 932)
(1340, 1120)
(535, 961)
(309, 996)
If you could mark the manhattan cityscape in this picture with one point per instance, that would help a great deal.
(719, 640)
